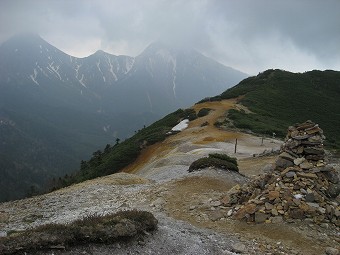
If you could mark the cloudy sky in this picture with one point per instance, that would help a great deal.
(249, 35)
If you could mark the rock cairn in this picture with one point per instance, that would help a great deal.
(301, 186)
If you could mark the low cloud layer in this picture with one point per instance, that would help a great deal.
(295, 35)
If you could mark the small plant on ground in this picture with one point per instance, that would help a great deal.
(215, 160)
(203, 112)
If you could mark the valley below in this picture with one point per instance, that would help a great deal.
(192, 216)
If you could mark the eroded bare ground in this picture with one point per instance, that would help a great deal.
(194, 200)
(189, 206)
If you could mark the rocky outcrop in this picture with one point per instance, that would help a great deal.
(302, 185)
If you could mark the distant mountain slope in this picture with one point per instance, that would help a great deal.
(278, 98)
(56, 109)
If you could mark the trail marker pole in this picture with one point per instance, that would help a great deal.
(235, 146)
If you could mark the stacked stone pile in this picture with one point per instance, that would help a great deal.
(303, 147)
(302, 185)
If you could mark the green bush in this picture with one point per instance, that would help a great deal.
(94, 228)
(203, 112)
(278, 99)
(224, 157)
(215, 160)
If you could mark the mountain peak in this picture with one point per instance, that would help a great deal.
(25, 38)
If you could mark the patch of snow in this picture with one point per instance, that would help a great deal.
(55, 69)
(129, 65)
(34, 76)
(77, 70)
(81, 81)
(106, 128)
(168, 58)
(150, 68)
(98, 63)
(149, 98)
(42, 70)
(181, 126)
(111, 69)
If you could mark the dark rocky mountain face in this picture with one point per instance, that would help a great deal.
(56, 109)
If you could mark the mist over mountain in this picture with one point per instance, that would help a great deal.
(55, 109)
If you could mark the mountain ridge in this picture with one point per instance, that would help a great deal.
(63, 108)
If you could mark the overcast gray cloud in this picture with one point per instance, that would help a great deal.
(249, 35)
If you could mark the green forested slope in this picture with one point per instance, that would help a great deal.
(278, 99)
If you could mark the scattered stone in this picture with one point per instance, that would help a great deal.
(332, 251)
(238, 247)
(298, 161)
(215, 203)
(4, 217)
(276, 219)
(261, 217)
(310, 197)
(283, 163)
(268, 206)
(306, 165)
(273, 195)
(333, 190)
(225, 200)
(216, 215)
(287, 156)
(290, 174)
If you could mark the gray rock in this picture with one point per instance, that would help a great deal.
(4, 217)
(216, 215)
(290, 174)
(238, 247)
(298, 161)
(333, 190)
(283, 163)
(287, 156)
(276, 219)
(310, 197)
(332, 251)
(260, 217)
(306, 165)
(215, 203)
(332, 176)
(314, 150)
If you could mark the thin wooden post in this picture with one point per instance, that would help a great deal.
(262, 141)
(235, 145)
